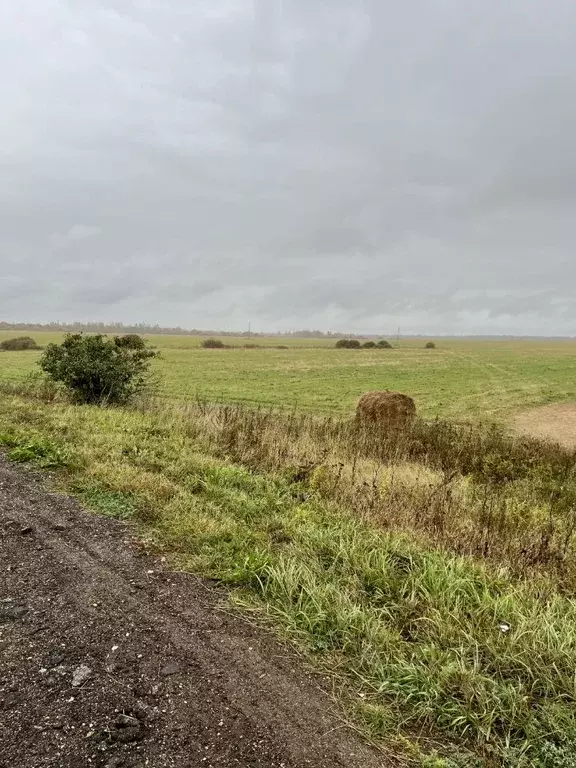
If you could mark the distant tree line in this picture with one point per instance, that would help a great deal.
(145, 328)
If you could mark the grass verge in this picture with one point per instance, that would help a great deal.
(435, 651)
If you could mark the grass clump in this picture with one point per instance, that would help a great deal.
(110, 503)
(36, 449)
(454, 654)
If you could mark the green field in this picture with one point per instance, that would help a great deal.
(459, 379)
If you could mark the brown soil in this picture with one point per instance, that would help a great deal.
(550, 422)
(109, 659)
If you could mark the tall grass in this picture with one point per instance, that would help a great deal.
(399, 562)
(473, 490)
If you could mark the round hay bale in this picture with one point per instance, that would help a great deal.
(390, 409)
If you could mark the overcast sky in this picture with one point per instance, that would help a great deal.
(350, 165)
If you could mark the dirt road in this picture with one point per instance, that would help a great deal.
(108, 659)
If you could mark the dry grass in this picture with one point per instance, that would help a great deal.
(473, 491)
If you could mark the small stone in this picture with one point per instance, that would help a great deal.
(80, 675)
(140, 710)
(116, 762)
(59, 526)
(26, 530)
(127, 729)
(172, 668)
(55, 658)
(126, 721)
(10, 610)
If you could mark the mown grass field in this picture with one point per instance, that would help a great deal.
(459, 380)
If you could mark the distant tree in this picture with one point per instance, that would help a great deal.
(383, 344)
(348, 344)
(96, 369)
(430, 345)
(131, 341)
(368, 345)
(19, 343)
(212, 344)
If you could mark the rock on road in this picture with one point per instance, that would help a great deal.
(108, 659)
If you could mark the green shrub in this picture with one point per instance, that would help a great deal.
(348, 344)
(212, 344)
(99, 370)
(18, 344)
(430, 345)
(355, 344)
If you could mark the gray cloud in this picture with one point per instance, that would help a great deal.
(358, 164)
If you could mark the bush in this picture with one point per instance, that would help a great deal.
(383, 344)
(19, 343)
(348, 344)
(212, 344)
(430, 345)
(368, 345)
(99, 370)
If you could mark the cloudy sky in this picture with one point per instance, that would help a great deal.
(351, 165)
